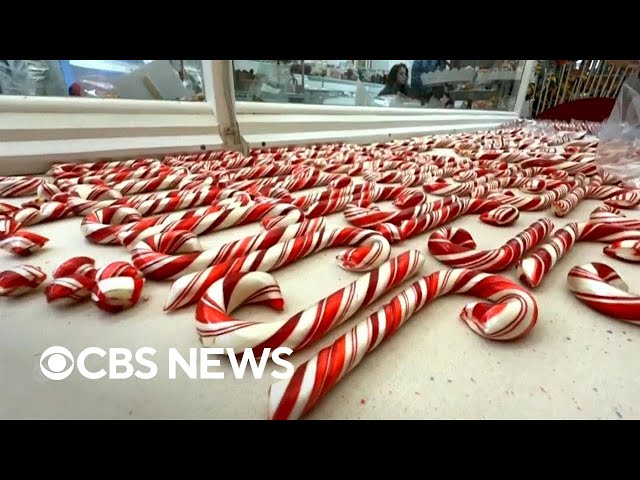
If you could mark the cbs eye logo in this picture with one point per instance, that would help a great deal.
(56, 363)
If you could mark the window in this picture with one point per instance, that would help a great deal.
(124, 79)
(454, 84)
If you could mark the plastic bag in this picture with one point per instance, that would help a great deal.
(618, 150)
(31, 77)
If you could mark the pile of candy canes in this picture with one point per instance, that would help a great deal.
(158, 208)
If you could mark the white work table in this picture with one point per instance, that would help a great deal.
(575, 364)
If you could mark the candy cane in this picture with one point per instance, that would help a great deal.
(602, 227)
(216, 327)
(600, 288)
(12, 187)
(372, 249)
(47, 212)
(20, 280)
(158, 259)
(104, 226)
(512, 314)
(455, 247)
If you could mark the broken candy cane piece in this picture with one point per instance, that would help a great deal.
(117, 294)
(117, 269)
(83, 266)
(20, 280)
(69, 289)
(23, 243)
(628, 250)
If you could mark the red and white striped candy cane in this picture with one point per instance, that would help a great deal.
(501, 216)
(511, 315)
(20, 280)
(165, 257)
(610, 228)
(566, 204)
(600, 288)
(216, 326)
(159, 202)
(371, 250)
(104, 226)
(13, 187)
(455, 247)
(47, 212)
(59, 168)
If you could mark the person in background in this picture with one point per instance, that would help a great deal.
(396, 81)
(425, 66)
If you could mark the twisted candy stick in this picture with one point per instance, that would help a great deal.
(511, 316)
(600, 287)
(501, 216)
(104, 226)
(215, 325)
(47, 212)
(455, 247)
(166, 257)
(602, 227)
(20, 280)
(151, 203)
(11, 187)
(372, 250)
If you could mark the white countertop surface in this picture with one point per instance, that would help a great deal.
(576, 364)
